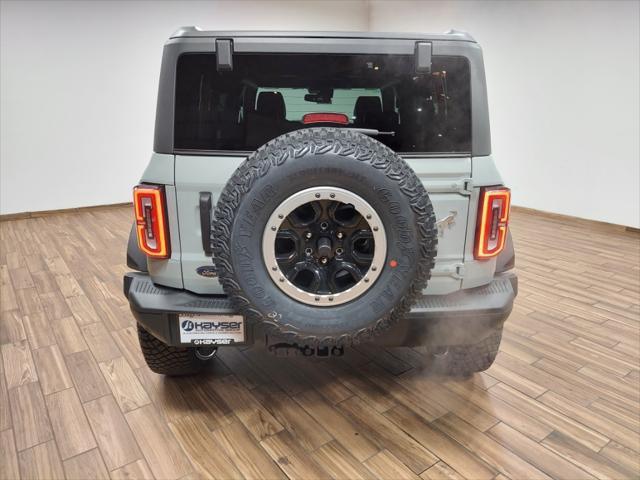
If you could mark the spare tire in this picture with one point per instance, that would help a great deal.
(325, 235)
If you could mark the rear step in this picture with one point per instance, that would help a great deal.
(145, 296)
(461, 317)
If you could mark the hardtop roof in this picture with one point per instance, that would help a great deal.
(188, 32)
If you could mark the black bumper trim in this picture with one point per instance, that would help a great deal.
(462, 317)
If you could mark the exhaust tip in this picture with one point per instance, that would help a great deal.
(439, 352)
(206, 353)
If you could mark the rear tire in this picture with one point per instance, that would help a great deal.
(465, 360)
(166, 360)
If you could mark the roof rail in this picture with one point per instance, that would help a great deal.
(192, 31)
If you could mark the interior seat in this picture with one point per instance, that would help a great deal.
(271, 104)
(368, 112)
(268, 120)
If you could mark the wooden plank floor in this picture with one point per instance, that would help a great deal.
(77, 401)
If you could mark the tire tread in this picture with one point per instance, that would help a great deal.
(322, 140)
(465, 360)
(167, 360)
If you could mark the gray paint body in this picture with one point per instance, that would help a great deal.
(447, 180)
(452, 181)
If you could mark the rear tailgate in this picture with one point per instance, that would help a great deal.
(445, 178)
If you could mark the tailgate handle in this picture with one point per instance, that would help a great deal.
(205, 221)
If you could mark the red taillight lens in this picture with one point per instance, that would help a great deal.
(340, 118)
(493, 219)
(151, 221)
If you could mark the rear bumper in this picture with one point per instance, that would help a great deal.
(459, 318)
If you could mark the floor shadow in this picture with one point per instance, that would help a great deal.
(241, 382)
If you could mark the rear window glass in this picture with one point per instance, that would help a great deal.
(267, 95)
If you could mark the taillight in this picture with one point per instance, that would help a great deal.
(493, 218)
(151, 220)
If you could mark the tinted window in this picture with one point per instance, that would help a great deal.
(343, 101)
(267, 95)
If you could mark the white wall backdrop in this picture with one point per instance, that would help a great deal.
(78, 84)
(563, 80)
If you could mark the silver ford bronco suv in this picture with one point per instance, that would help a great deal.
(316, 191)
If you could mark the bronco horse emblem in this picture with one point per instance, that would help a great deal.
(446, 222)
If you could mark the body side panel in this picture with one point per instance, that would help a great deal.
(160, 170)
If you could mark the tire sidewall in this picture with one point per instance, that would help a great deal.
(382, 187)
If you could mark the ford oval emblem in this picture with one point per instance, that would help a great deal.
(208, 271)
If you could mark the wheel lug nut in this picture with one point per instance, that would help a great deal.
(368, 217)
(282, 279)
(307, 235)
(366, 280)
(317, 195)
(375, 229)
(339, 234)
(275, 269)
(333, 195)
(323, 260)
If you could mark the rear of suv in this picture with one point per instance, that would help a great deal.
(319, 190)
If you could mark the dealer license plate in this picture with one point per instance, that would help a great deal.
(211, 329)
